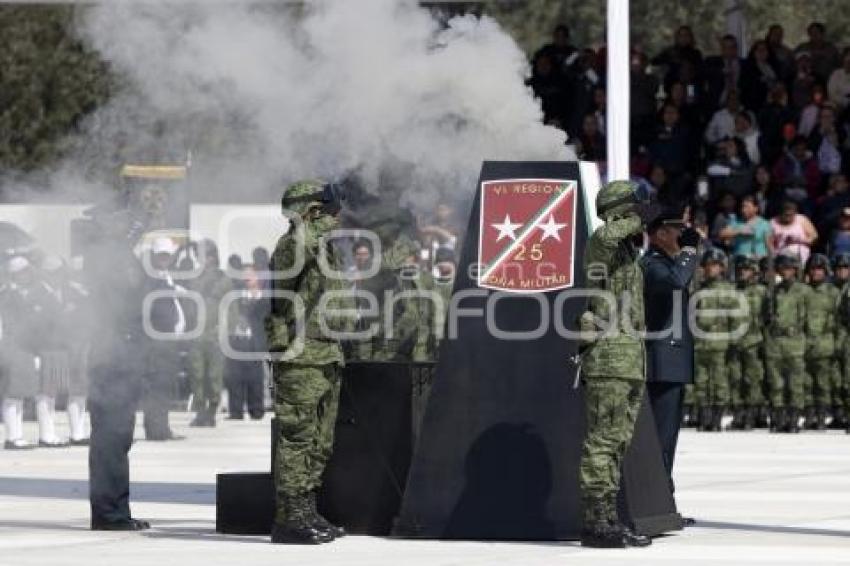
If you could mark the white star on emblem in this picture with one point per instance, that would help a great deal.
(507, 229)
(551, 229)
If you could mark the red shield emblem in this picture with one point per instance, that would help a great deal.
(526, 239)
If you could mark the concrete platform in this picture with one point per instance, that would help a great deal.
(759, 499)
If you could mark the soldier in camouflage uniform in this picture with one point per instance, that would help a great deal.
(841, 400)
(820, 342)
(785, 346)
(711, 362)
(206, 361)
(613, 367)
(746, 374)
(307, 386)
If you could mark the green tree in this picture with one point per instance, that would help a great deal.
(48, 82)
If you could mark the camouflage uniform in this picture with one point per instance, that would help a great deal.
(307, 387)
(842, 346)
(820, 346)
(711, 353)
(613, 366)
(785, 345)
(206, 361)
(746, 374)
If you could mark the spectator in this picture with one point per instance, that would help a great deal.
(560, 51)
(811, 111)
(797, 171)
(748, 234)
(723, 72)
(793, 233)
(672, 147)
(591, 141)
(773, 120)
(758, 76)
(804, 81)
(829, 208)
(551, 88)
(839, 241)
(726, 211)
(644, 87)
(823, 53)
(731, 171)
(683, 49)
(765, 192)
(839, 83)
(746, 131)
(600, 101)
(583, 78)
(689, 113)
(826, 142)
(722, 123)
(782, 55)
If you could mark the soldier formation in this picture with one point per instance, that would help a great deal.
(789, 369)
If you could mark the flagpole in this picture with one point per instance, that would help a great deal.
(617, 119)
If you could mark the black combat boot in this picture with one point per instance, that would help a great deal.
(717, 418)
(209, 414)
(749, 418)
(602, 528)
(809, 416)
(777, 420)
(793, 424)
(320, 522)
(705, 419)
(839, 419)
(298, 527)
(820, 419)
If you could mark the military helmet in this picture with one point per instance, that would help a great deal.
(713, 255)
(300, 196)
(618, 197)
(786, 260)
(818, 261)
(841, 260)
(743, 261)
(764, 264)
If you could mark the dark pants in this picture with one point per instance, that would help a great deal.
(160, 379)
(245, 388)
(666, 401)
(112, 407)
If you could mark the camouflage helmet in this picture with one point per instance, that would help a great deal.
(743, 261)
(713, 255)
(786, 260)
(300, 196)
(818, 261)
(841, 259)
(618, 197)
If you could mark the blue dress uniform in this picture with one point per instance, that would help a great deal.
(670, 357)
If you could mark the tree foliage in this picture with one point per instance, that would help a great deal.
(48, 82)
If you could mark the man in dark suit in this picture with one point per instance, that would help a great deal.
(668, 268)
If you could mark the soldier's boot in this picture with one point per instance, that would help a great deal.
(705, 419)
(198, 419)
(602, 529)
(320, 522)
(762, 414)
(777, 419)
(820, 419)
(839, 418)
(749, 419)
(794, 421)
(809, 416)
(209, 414)
(717, 418)
(298, 527)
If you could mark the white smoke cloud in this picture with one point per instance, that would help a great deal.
(265, 94)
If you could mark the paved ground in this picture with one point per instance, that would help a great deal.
(759, 499)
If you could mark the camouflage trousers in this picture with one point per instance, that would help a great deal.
(306, 399)
(711, 378)
(611, 409)
(822, 381)
(785, 367)
(206, 374)
(746, 377)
